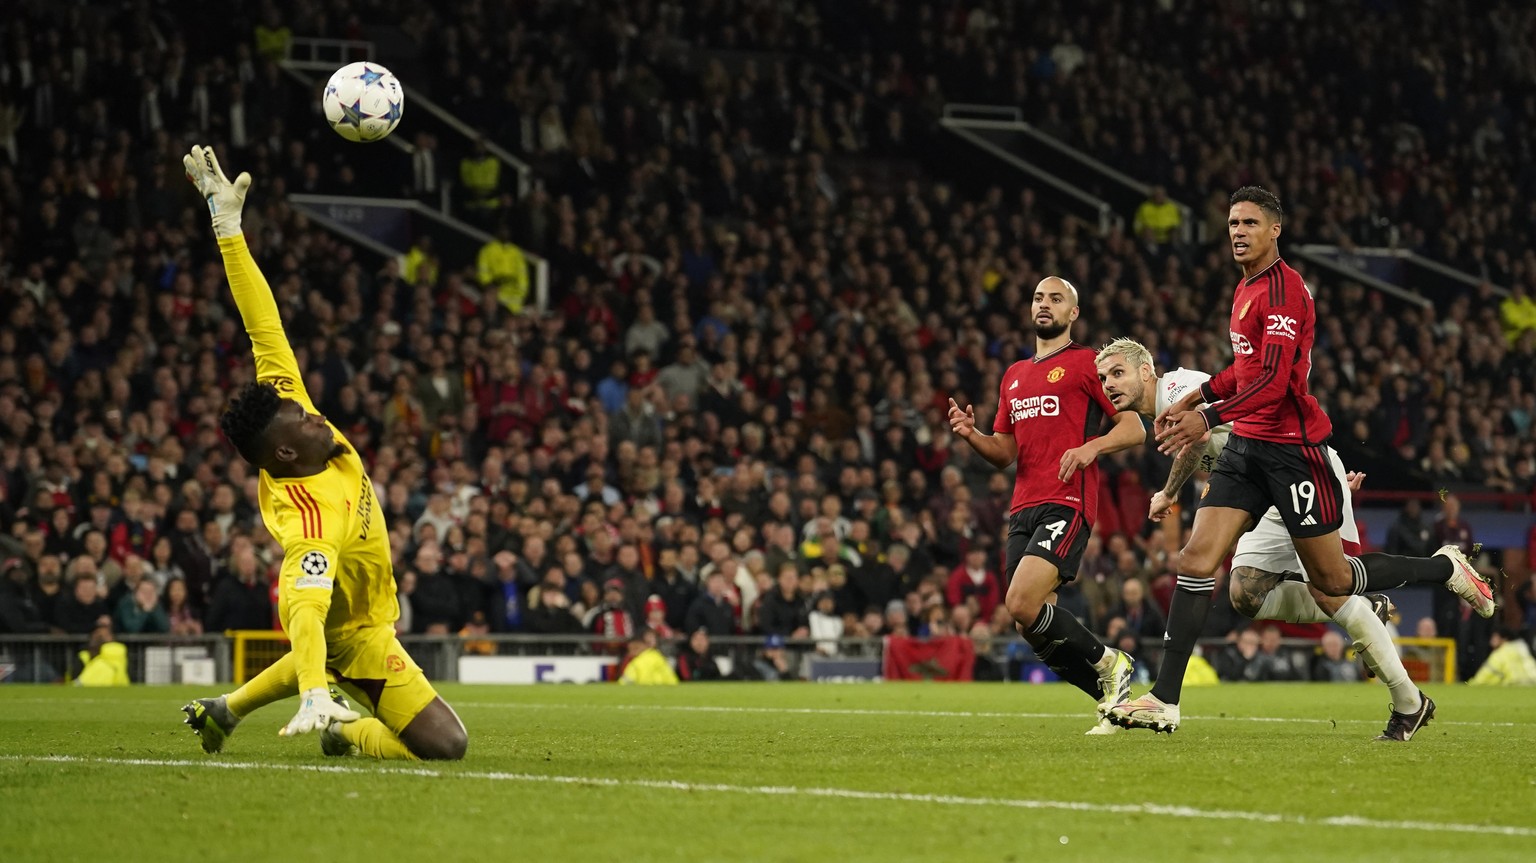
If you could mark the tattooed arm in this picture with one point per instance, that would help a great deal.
(1183, 467)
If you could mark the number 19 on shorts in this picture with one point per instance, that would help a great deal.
(1300, 490)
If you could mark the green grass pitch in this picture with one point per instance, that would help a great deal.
(788, 772)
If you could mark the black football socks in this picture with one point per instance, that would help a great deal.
(1067, 648)
(1186, 620)
(1376, 572)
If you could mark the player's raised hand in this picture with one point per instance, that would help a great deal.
(1161, 506)
(225, 199)
(316, 711)
(1184, 429)
(1166, 418)
(1354, 479)
(962, 422)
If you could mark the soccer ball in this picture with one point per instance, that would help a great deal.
(363, 102)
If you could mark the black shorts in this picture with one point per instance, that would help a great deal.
(1050, 531)
(1296, 479)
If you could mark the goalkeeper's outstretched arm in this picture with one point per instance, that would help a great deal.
(275, 361)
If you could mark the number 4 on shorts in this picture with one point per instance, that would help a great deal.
(1055, 527)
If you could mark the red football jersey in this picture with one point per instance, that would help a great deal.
(1051, 404)
(1264, 392)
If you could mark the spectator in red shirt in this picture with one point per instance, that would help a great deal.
(973, 579)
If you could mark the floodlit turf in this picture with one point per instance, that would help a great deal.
(789, 772)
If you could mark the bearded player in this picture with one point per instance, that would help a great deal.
(1274, 457)
(1050, 409)
(1268, 580)
(336, 598)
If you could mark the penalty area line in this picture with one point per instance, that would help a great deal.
(1153, 809)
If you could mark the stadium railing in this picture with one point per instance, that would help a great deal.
(388, 227)
(1120, 192)
(519, 658)
(1002, 131)
(1404, 266)
(151, 658)
(997, 131)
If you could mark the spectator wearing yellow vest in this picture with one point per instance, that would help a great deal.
(503, 269)
(480, 175)
(273, 37)
(1510, 663)
(421, 263)
(1518, 314)
(1157, 219)
(644, 665)
(104, 662)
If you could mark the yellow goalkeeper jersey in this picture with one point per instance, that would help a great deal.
(337, 575)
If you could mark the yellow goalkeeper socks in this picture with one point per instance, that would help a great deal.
(374, 739)
(280, 680)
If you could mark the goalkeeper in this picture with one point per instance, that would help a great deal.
(336, 600)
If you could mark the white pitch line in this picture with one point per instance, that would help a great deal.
(1158, 809)
(835, 711)
(954, 714)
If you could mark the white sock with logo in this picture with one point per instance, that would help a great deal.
(1374, 644)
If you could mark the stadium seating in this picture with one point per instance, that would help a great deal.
(745, 327)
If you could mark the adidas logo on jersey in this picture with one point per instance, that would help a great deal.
(1309, 520)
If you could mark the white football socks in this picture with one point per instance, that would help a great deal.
(1292, 602)
(1374, 644)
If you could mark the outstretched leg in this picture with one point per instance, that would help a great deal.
(1447, 567)
(1264, 595)
(213, 720)
(277, 681)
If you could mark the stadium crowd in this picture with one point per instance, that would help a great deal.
(731, 416)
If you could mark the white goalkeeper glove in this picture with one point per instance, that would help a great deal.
(316, 711)
(225, 199)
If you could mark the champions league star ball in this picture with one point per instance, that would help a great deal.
(363, 102)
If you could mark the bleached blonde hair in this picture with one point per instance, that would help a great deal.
(1134, 352)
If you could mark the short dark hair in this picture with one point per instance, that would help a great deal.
(1266, 200)
(246, 419)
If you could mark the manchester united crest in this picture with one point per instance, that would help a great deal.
(1055, 374)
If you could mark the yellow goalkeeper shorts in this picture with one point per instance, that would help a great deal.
(371, 666)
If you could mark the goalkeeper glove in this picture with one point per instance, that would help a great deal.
(224, 198)
(317, 711)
